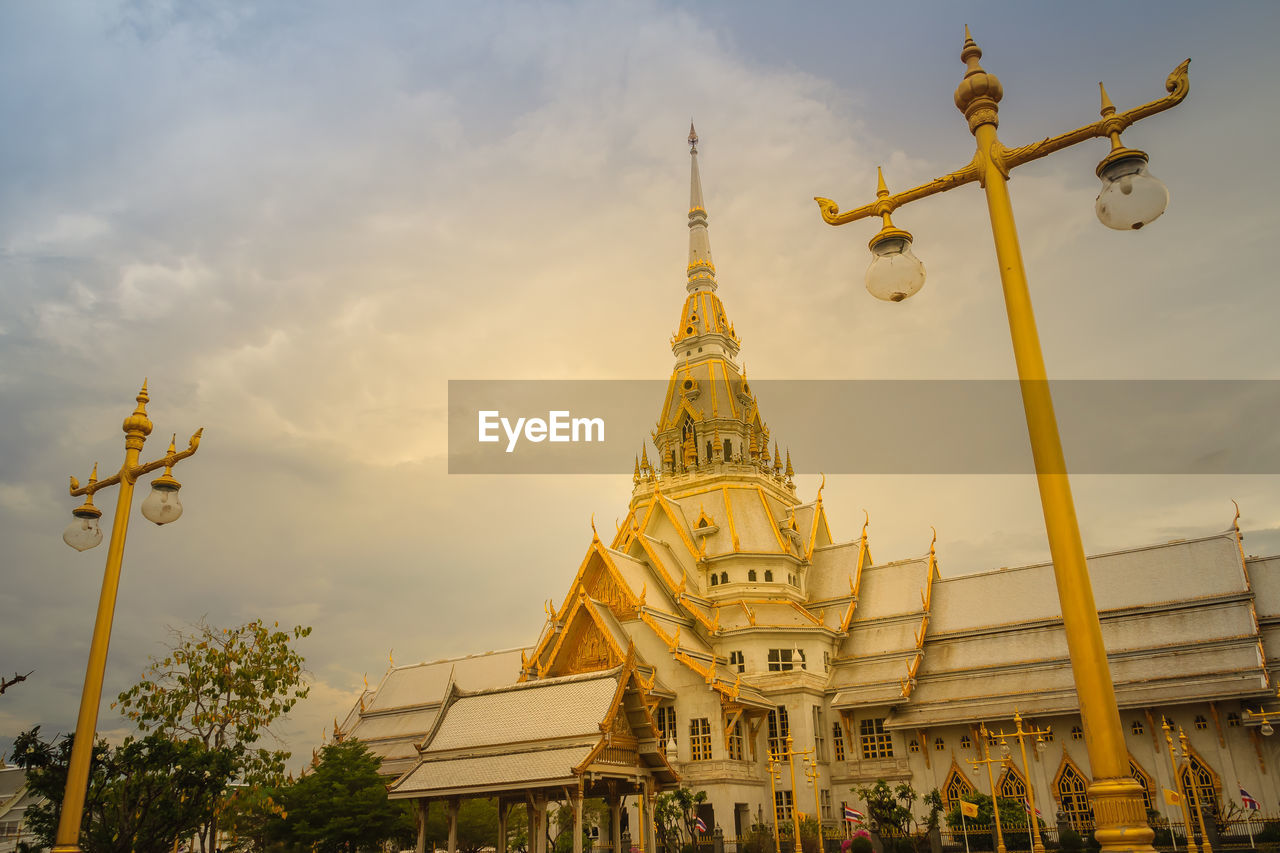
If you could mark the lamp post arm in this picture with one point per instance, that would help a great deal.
(1177, 84)
(136, 471)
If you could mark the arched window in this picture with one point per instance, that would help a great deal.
(715, 579)
(957, 787)
(768, 574)
(1233, 720)
(751, 574)
(1206, 786)
(1071, 787)
(1011, 785)
(1077, 733)
(724, 577)
(914, 746)
(965, 743)
(1137, 728)
(1136, 771)
(728, 449)
(939, 744)
(708, 451)
(1201, 722)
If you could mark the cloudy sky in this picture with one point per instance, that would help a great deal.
(300, 221)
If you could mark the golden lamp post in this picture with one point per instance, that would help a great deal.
(991, 781)
(1195, 792)
(1130, 199)
(161, 506)
(1037, 845)
(795, 811)
(775, 776)
(1173, 762)
(812, 775)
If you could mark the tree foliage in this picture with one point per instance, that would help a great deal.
(675, 814)
(142, 795)
(222, 687)
(341, 805)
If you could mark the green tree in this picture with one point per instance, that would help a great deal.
(1013, 820)
(342, 805)
(142, 796)
(675, 814)
(222, 687)
(477, 824)
(594, 813)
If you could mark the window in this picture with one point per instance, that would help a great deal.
(1077, 733)
(1072, 800)
(724, 577)
(914, 746)
(785, 660)
(1137, 728)
(1201, 722)
(1205, 787)
(736, 743)
(751, 575)
(779, 728)
(708, 456)
(768, 574)
(939, 744)
(1143, 779)
(876, 742)
(826, 661)
(825, 796)
(965, 743)
(957, 787)
(819, 734)
(1047, 737)
(782, 806)
(737, 661)
(1012, 786)
(837, 738)
(714, 579)
(666, 721)
(1233, 720)
(700, 739)
(728, 450)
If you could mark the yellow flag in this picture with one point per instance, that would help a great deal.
(968, 809)
(1173, 798)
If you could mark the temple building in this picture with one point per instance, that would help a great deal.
(724, 621)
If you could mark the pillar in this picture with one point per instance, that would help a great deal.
(577, 821)
(453, 825)
(615, 821)
(502, 826)
(421, 846)
(539, 824)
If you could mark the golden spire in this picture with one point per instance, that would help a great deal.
(790, 472)
(635, 477)
(777, 458)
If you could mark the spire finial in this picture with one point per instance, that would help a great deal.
(701, 270)
(1108, 108)
(881, 190)
(693, 138)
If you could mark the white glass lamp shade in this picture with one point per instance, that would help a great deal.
(1041, 746)
(162, 505)
(83, 532)
(895, 273)
(1266, 730)
(1131, 197)
(1005, 750)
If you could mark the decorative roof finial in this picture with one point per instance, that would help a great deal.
(693, 138)
(701, 270)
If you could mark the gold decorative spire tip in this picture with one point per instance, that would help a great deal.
(881, 189)
(1108, 108)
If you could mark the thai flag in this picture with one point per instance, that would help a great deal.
(1248, 801)
(1027, 807)
(852, 815)
(700, 825)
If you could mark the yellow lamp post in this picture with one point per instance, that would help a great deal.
(161, 507)
(1195, 793)
(812, 774)
(1037, 845)
(1130, 199)
(1173, 762)
(775, 776)
(795, 811)
(991, 782)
